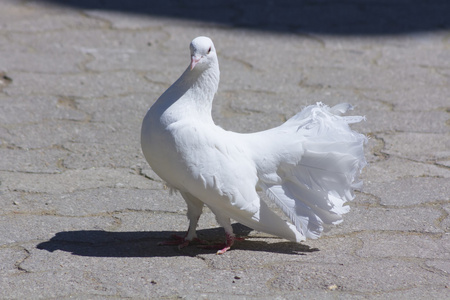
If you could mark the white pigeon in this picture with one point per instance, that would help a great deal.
(308, 166)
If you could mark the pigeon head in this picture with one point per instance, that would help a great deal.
(203, 52)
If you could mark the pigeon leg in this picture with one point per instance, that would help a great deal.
(229, 243)
(195, 209)
(230, 237)
(226, 223)
(223, 247)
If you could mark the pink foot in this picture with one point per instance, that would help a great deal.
(223, 247)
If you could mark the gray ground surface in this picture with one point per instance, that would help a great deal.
(81, 212)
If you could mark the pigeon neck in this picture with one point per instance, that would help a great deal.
(190, 96)
(203, 86)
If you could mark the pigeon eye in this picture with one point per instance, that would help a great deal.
(209, 50)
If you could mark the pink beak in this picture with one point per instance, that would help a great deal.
(194, 61)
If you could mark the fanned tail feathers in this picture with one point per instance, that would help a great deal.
(312, 192)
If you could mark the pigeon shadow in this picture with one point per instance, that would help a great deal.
(98, 243)
(375, 17)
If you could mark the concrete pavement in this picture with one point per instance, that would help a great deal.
(81, 212)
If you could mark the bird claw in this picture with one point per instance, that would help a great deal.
(222, 251)
(223, 247)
